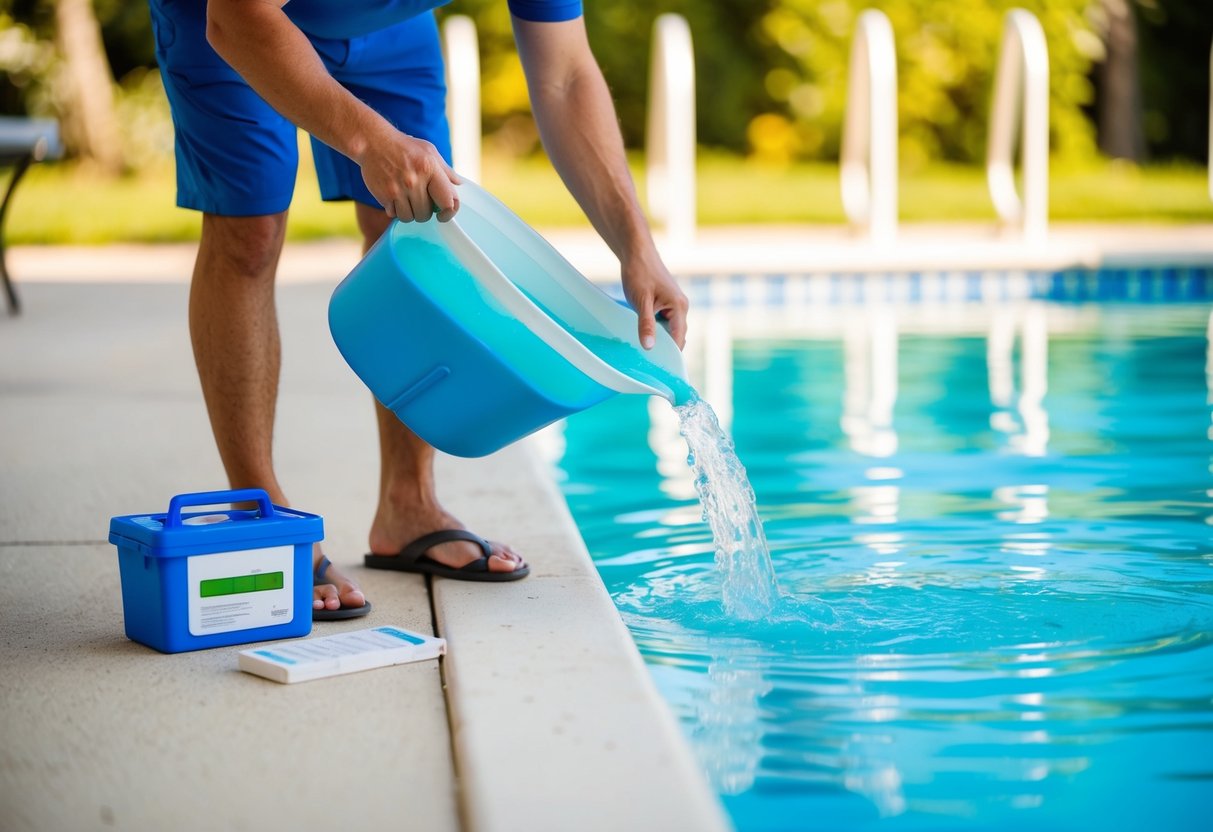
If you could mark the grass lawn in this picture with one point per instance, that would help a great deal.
(64, 204)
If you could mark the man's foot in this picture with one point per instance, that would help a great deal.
(338, 591)
(415, 558)
(393, 530)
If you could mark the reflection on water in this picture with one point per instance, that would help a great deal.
(1018, 411)
(870, 344)
(992, 529)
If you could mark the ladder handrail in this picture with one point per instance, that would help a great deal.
(463, 93)
(1210, 122)
(868, 165)
(670, 133)
(1021, 84)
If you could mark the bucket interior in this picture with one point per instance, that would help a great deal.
(605, 328)
(427, 260)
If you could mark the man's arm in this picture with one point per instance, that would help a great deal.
(406, 175)
(577, 122)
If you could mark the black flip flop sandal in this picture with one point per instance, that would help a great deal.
(413, 558)
(341, 613)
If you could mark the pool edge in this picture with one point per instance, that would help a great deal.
(555, 721)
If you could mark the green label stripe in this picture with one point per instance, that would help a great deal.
(216, 587)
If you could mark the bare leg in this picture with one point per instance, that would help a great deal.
(234, 330)
(408, 502)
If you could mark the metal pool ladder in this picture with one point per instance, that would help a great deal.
(1021, 93)
(869, 138)
(670, 144)
(463, 99)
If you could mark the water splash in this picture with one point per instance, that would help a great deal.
(748, 586)
(742, 559)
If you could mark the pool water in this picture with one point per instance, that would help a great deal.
(993, 534)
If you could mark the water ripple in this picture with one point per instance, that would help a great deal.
(971, 629)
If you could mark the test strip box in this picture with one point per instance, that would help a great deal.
(348, 652)
(194, 580)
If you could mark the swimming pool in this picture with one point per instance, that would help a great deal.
(992, 527)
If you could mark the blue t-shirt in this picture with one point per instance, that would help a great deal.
(354, 18)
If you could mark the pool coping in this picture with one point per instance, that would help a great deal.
(728, 250)
(555, 721)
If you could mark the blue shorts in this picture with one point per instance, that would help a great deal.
(237, 157)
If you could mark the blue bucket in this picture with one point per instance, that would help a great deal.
(476, 332)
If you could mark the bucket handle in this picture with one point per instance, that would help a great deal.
(210, 498)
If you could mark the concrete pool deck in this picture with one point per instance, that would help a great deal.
(541, 717)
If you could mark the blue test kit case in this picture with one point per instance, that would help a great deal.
(216, 578)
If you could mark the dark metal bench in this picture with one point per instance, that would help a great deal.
(23, 141)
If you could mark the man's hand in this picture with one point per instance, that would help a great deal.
(409, 177)
(653, 293)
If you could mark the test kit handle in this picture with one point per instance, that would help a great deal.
(210, 498)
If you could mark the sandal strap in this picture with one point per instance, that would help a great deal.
(423, 544)
(321, 571)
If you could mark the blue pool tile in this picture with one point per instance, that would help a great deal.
(777, 289)
(1166, 284)
(973, 286)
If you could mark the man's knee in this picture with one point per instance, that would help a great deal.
(245, 246)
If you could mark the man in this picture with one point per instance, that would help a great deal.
(365, 79)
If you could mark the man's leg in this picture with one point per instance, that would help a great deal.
(234, 330)
(408, 502)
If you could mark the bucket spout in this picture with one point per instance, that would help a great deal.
(658, 371)
(669, 383)
(683, 394)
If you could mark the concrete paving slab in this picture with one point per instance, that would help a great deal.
(72, 464)
(100, 414)
(101, 732)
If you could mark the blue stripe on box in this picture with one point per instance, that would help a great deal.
(274, 657)
(400, 634)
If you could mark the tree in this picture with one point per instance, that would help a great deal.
(1174, 39)
(90, 129)
(1121, 133)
